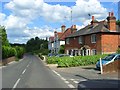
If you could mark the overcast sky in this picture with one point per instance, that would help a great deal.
(25, 19)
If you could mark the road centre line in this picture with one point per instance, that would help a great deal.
(16, 84)
(24, 71)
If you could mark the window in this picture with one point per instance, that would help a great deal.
(67, 41)
(80, 40)
(94, 52)
(93, 38)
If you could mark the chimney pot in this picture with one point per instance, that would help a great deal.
(109, 14)
(93, 18)
(112, 14)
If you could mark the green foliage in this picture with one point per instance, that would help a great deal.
(3, 35)
(36, 45)
(40, 55)
(62, 48)
(118, 22)
(118, 51)
(20, 52)
(8, 52)
(74, 61)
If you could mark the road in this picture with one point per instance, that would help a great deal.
(30, 73)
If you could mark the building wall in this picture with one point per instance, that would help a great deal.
(109, 43)
(62, 42)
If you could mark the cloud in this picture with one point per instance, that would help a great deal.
(25, 12)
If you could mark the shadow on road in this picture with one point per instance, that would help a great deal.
(100, 84)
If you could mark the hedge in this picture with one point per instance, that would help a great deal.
(8, 51)
(74, 61)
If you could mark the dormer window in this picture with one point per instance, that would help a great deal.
(93, 38)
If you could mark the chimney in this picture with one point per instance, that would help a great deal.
(55, 34)
(93, 18)
(94, 22)
(111, 22)
(73, 28)
(63, 28)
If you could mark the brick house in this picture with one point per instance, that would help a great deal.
(59, 38)
(97, 38)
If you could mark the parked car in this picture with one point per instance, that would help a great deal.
(108, 59)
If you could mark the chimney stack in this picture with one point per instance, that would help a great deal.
(73, 28)
(63, 28)
(111, 22)
(93, 18)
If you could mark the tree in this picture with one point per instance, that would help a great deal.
(118, 22)
(62, 48)
(3, 35)
(37, 45)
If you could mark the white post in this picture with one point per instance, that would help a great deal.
(101, 67)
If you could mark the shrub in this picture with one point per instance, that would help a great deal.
(118, 51)
(74, 61)
(19, 52)
(8, 52)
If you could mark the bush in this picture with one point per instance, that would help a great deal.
(8, 52)
(118, 51)
(74, 61)
(40, 55)
(19, 52)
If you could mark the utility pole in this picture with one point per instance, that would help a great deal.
(71, 16)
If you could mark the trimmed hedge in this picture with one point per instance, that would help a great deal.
(74, 61)
(8, 52)
(11, 51)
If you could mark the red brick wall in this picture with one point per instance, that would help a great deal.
(74, 44)
(109, 43)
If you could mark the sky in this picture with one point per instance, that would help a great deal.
(30, 18)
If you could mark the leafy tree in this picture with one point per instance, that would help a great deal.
(37, 45)
(118, 22)
(62, 48)
(3, 35)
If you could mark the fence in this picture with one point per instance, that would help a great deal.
(112, 67)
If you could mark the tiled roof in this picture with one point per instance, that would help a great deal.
(59, 34)
(90, 29)
(65, 34)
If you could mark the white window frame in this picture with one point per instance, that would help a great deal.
(80, 40)
(93, 38)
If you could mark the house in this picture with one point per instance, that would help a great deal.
(97, 38)
(59, 38)
(51, 44)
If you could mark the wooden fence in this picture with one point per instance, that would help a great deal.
(112, 67)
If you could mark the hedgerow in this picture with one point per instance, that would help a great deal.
(74, 61)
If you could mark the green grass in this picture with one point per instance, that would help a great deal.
(74, 61)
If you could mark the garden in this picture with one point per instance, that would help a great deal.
(74, 61)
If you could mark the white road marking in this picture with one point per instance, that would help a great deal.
(24, 71)
(66, 82)
(71, 86)
(12, 62)
(72, 79)
(75, 81)
(16, 83)
(28, 65)
(63, 78)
